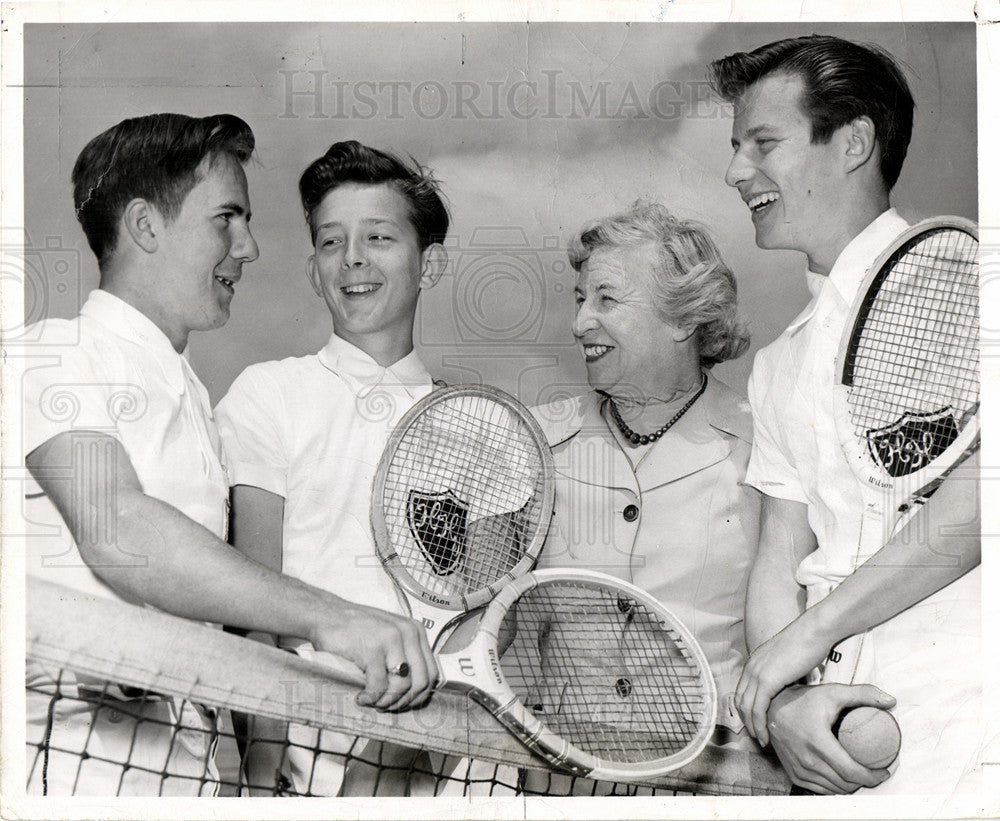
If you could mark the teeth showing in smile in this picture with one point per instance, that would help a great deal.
(755, 203)
(594, 351)
(227, 282)
(364, 288)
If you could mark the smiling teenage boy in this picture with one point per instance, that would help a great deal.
(136, 470)
(820, 131)
(305, 434)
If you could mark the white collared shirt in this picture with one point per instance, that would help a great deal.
(111, 370)
(796, 452)
(312, 429)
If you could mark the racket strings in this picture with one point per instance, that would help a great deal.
(913, 365)
(462, 495)
(613, 681)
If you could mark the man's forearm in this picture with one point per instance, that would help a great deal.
(177, 565)
(161, 557)
(774, 597)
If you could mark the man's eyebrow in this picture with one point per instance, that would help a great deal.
(365, 220)
(236, 208)
(758, 129)
(750, 133)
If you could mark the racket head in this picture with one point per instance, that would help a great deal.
(907, 373)
(462, 497)
(591, 673)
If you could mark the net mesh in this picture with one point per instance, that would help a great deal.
(913, 361)
(124, 700)
(604, 672)
(462, 497)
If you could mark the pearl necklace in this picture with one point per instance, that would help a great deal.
(645, 439)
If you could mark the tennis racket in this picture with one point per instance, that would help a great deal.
(589, 672)
(461, 501)
(908, 367)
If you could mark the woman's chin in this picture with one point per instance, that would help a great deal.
(598, 384)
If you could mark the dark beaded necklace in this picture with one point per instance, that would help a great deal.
(645, 439)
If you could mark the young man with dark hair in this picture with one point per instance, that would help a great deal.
(305, 434)
(820, 131)
(163, 200)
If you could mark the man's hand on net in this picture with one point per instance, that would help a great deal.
(399, 667)
(801, 719)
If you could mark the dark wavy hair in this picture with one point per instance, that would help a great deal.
(692, 285)
(351, 162)
(156, 158)
(843, 81)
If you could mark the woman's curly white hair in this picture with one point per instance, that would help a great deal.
(692, 285)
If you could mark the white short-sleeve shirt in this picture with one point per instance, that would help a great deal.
(796, 454)
(112, 371)
(312, 430)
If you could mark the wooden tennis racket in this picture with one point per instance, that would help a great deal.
(908, 369)
(589, 672)
(461, 501)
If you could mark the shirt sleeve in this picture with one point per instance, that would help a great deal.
(253, 438)
(770, 469)
(69, 390)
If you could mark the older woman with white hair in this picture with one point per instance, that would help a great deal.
(650, 463)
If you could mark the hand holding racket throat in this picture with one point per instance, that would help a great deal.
(589, 672)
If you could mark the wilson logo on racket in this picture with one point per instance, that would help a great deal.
(438, 523)
(912, 442)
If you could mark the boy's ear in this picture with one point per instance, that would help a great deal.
(434, 259)
(860, 141)
(312, 271)
(140, 221)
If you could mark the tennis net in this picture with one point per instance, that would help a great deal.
(129, 700)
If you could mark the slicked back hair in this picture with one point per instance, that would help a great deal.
(842, 81)
(692, 285)
(155, 158)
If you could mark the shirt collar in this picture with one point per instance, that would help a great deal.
(852, 265)
(130, 324)
(362, 373)
(695, 444)
(855, 260)
(722, 409)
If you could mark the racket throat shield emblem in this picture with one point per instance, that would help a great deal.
(912, 442)
(438, 523)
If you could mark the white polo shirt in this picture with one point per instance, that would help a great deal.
(927, 656)
(112, 371)
(796, 454)
(312, 430)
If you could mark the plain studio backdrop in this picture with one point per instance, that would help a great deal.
(533, 129)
